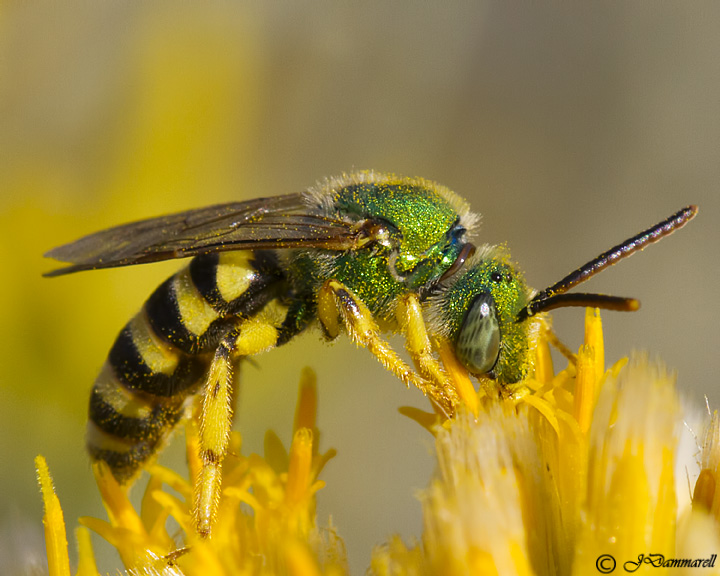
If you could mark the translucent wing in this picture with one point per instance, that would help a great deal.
(276, 222)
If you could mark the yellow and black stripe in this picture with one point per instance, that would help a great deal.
(161, 356)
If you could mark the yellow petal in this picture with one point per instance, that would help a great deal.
(56, 544)
(544, 372)
(458, 376)
(299, 472)
(86, 556)
(585, 386)
(707, 493)
(119, 509)
(594, 339)
(306, 412)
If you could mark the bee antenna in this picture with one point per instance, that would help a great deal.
(555, 297)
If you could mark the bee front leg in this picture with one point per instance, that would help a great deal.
(247, 338)
(417, 342)
(337, 301)
(448, 374)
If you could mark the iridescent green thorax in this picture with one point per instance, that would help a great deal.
(420, 220)
(420, 216)
(487, 273)
(424, 230)
(363, 271)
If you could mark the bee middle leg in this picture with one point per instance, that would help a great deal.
(246, 338)
(335, 299)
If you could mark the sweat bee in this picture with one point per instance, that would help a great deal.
(364, 253)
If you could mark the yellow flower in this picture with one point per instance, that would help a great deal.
(265, 525)
(574, 474)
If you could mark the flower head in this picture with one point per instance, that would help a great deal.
(572, 473)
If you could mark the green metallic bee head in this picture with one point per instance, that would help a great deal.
(477, 309)
(484, 307)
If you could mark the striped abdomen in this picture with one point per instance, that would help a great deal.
(163, 353)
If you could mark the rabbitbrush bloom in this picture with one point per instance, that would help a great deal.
(574, 476)
(265, 523)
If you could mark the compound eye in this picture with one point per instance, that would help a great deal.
(478, 342)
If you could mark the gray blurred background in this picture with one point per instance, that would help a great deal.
(569, 127)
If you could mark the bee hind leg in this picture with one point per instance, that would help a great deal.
(336, 301)
(215, 424)
(247, 338)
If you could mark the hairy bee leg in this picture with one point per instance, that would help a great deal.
(335, 300)
(417, 341)
(248, 338)
(215, 424)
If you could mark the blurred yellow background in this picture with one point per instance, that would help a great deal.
(568, 128)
